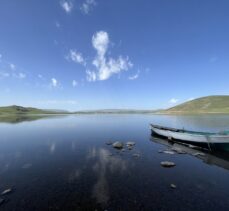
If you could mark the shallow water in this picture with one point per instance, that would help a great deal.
(64, 163)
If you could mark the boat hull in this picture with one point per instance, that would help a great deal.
(216, 142)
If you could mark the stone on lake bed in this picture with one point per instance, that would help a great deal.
(198, 154)
(130, 144)
(136, 155)
(178, 150)
(109, 142)
(168, 152)
(167, 164)
(2, 201)
(173, 186)
(9, 190)
(118, 145)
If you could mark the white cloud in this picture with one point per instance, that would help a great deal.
(91, 76)
(57, 24)
(67, 6)
(12, 66)
(74, 83)
(21, 75)
(133, 77)
(54, 82)
(87, 6)
(76, 57)
(4, 75)
(40, 76)
(105, 67)
(173, 100)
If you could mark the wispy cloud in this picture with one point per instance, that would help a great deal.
(173, 101)
(54, 82)
(76, 57)
(74, 83)
(12, 66)
(21, 75)
(40, 76)
(105, 67)
(4, 75)
(67, 6)
(57, 24)
(87, 6)
(0, 57)
(134, 77)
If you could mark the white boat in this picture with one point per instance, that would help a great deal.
(204, 139)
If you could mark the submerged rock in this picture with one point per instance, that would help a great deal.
(168, 152)
(130, 144)
(136, 155)
(173, 186)
(2, 201)
(198, 154)
(118, 145)
(167, 164)
(178, 150)
(9, 190)
(109, 142)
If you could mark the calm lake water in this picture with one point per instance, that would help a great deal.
(64, 163)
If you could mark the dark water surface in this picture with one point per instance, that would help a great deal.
(63, 163)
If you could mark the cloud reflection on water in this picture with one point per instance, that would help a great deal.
(105, 164)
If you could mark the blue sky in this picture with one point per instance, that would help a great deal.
(91, 54)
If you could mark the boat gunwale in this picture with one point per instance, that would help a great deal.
(189, 132)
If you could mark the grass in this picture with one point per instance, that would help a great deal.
(210, 104)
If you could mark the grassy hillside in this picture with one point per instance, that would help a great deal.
(210, 104)
(16, 110)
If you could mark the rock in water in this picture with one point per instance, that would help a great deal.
(173, 186)
(130, 144)
(2, 201)
(199, 154)
(118, 145)
(178, 150)
(169, 152)
(136, 155)
(9, 190)
(109, 143)
(167, 164)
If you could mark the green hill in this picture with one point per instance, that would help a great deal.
(210, 104)
(18, 110)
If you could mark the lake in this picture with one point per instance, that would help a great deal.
(64, 163)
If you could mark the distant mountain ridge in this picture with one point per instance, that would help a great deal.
(209, 104)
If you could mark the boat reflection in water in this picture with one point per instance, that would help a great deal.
(220, 159)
